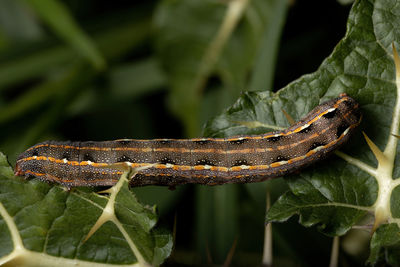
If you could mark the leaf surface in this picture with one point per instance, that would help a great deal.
(354, 187)
(46, 225)
(193, 49)
(58, 18)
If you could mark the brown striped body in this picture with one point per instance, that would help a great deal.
(202, 160)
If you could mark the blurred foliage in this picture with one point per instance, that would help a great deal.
(96, 70)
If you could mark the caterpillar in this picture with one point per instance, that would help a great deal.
(210, 161)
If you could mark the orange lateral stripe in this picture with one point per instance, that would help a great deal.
(194, 139)
(184, 168)
(187, 167)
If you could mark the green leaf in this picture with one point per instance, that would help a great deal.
(264, 67)
(46, 225)
(18, 23)
(353, 187)
(385, 244)
(113, 42)
(133, 80)
(327, 199)
(57, 17)
(67, 85)
(192, 49)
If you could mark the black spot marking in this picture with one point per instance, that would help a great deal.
(164, 142)
(306, 130)
(315, 145)
(166, 160)
(281, 158)
(330, 115)
(274, 138)
(202, 142)
(340, 130)
(88, 157)
(240, 162)
(238, 141)
(88, 177)
(124, 158)
(204, 162)
(348, 103)
(66, 155)
(124, 142)
(35, 153)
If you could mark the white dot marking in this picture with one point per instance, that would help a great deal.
(304, 126)
(318, 148)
